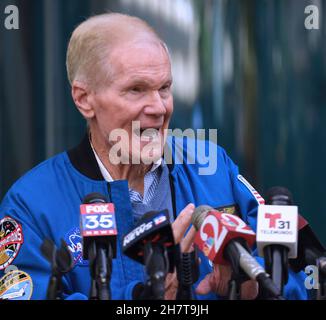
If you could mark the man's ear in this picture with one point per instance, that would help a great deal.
(81, 95)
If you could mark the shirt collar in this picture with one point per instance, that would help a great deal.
(105, 172)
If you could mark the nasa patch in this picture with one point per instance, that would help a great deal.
(253, 191)
(74, 242)
(11, 239)
(16, 285)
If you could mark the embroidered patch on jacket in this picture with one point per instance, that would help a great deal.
(230, 209)
(16, 285)
(74, 242)
(253, 191)
(11, 239)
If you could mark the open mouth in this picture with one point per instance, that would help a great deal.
(147, 134)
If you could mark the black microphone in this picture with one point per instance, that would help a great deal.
(321, 266)
(99, 232)
(310, 249)
(311, 252)
(61, 263)
(151, 243)
(279, 196)
(276, 254)
(309, 246)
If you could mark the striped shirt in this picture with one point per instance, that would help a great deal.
(151, 180)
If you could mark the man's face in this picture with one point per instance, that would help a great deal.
(138, 96)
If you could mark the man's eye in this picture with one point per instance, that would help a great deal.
(136, 89)
(165, 87)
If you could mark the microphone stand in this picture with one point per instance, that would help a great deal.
(93, 294)
(238, 275)
(157, 266)
(187, 274)
(276, 264)
(103, 271)
(237, 278)
(100, 260)
(61, 263)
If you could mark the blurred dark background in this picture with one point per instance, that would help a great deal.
(249, 68)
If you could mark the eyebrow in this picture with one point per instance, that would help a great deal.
(141, 81)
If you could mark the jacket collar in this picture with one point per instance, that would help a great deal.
(83, 159)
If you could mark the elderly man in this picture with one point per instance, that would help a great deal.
(120, 76)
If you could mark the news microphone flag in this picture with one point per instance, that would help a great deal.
(216, 230)
(97, 222)
(98, 219)
(277, 225)
(225, 239)
(155, 227)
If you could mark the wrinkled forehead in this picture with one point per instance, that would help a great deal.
(139, 53)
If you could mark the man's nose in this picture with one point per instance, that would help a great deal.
(155, 104)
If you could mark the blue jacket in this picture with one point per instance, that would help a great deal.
(45, 203)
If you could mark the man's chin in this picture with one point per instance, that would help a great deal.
(147, 152)
(148, 158)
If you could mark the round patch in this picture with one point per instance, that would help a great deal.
(74, 242)
(16, 285)
(11, 239)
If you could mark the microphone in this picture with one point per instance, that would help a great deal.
(225, 239)
(277, 233)
(311, 252)
(61, 263)
(151, 243)
(99, 232)
(310, 249)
